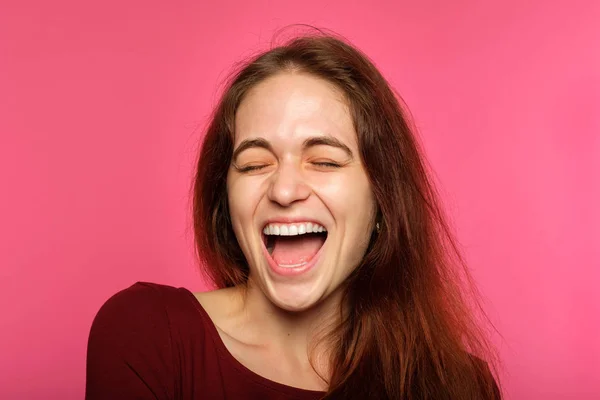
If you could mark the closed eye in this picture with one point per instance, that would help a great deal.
(250, 168)
(327, 164)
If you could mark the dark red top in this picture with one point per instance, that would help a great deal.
(153, 341)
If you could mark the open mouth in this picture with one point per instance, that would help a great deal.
(293, 245)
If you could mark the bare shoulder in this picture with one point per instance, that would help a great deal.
(223, 306)
(218, 301)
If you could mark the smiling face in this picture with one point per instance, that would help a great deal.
(296, 168)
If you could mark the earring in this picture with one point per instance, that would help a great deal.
(377, 227)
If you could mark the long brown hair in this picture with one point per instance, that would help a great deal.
(409, 330)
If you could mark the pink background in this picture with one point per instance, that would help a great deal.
(100, 105)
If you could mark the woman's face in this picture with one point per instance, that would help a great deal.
(296, 169)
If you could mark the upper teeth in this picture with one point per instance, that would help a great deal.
(293, 229)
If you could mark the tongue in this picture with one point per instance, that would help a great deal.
(292, 250)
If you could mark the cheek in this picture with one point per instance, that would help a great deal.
(238, 209)
(360, 211)
(350, 197)
(243, 197)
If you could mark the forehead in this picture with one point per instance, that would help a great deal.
(287, 108)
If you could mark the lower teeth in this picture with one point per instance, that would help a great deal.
(291, 265)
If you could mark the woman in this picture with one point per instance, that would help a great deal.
(315, 217)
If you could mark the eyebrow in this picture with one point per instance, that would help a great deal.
(327, 141)
(308, 143)
(251, 143)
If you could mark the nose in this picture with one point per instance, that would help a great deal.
(288, 185)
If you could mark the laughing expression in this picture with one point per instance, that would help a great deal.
(300, 201)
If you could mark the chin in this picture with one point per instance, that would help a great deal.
(294, 297)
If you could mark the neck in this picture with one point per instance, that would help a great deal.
(297, 335)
